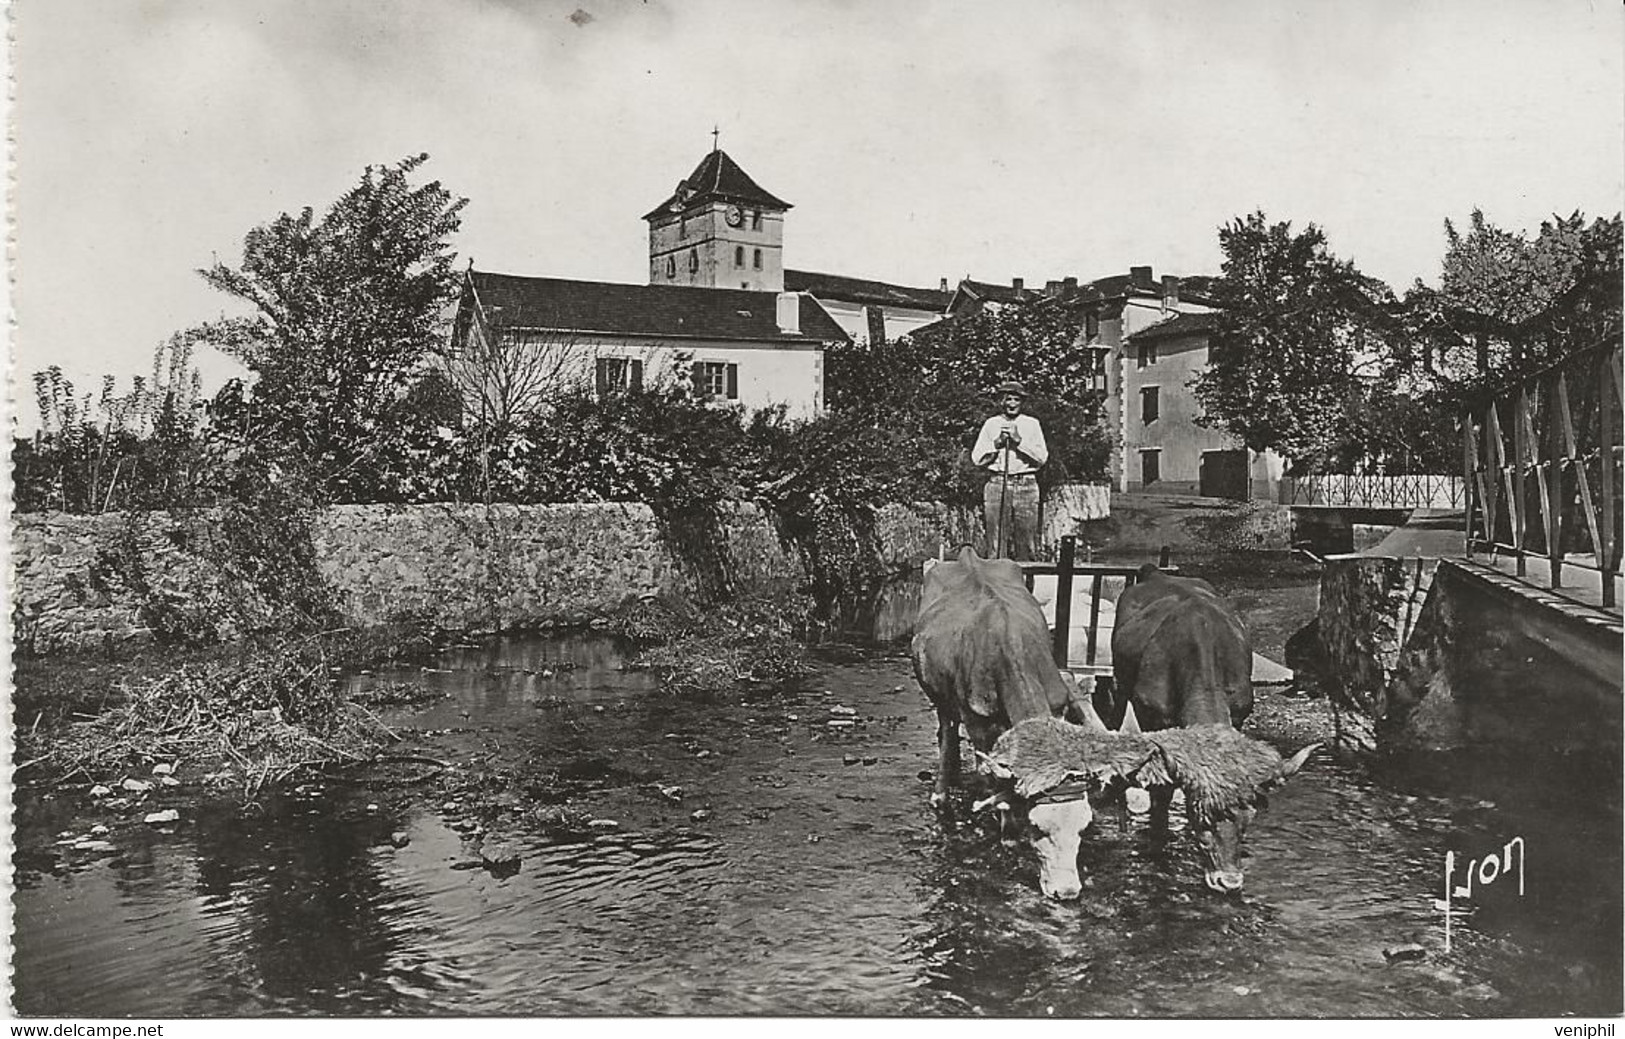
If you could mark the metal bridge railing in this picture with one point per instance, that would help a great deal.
(1420, 491)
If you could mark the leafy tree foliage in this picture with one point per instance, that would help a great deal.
(1298, 329)
(1508, 305)
(347, 308)
(934, 389)
(112, 451)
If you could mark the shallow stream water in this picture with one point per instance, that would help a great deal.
(798, 870)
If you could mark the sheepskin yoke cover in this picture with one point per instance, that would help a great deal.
(1219, 769)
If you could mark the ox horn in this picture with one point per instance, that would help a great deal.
(1086, 711)
(1291, 765)
(1131, 721)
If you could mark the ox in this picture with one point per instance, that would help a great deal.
(1181, 658)
(981, 652)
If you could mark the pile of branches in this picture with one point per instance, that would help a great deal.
(263, 717)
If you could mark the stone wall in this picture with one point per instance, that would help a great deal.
(458, 567)
(1368, 607)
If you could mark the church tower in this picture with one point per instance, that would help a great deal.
(718, 230)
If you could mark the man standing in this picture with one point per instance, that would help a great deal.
(1011, 448)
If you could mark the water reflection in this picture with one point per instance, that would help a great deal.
(819, 882)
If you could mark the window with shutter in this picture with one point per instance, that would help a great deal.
(757, 259)
(739, 256)
(714, 379)
(1148, 405)
(619, 374)
(693, 259)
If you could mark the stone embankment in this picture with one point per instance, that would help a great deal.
(87, 582)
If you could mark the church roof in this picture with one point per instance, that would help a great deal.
(511, 301)
(837, 288)
(716, 179)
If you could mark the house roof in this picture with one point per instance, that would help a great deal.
(982, 290)
(511, 301)
(858, 290)
(1121, 286)
(1178, 325)
(716, 179)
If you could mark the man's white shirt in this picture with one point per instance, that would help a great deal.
(1032, 445)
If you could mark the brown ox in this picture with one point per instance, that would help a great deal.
(982, 654)
(1181, 658)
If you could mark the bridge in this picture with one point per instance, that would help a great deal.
(1541, 463)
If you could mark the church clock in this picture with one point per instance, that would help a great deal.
(735, 216)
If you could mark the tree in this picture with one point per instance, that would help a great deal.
(931, 386)
(1507, 305)
(347, 309)
(1296, 340)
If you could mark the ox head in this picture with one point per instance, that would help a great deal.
(1055, 783)
(1224, 776)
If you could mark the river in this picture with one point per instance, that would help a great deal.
(746, 857)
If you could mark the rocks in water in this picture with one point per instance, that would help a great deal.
(168, 781)
(100, 791)
(670, 793)
(870, 760)
(399, 839)
(1404, 952)
(603, 824)
(163, 768)
(842, 711)
(699, 815)
(136, 786)
(500, 855)
(99, 830)
(849, 759)
(168, 815)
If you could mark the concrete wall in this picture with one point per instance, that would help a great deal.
(458, 567)
(1434, 655)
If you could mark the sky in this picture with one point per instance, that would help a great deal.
(917, 141)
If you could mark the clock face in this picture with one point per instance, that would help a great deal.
(735, 217)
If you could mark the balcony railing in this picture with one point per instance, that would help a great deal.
(1542, 464)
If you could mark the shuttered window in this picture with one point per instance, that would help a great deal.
(716, 380)
(619, 374)
(1148, 405)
